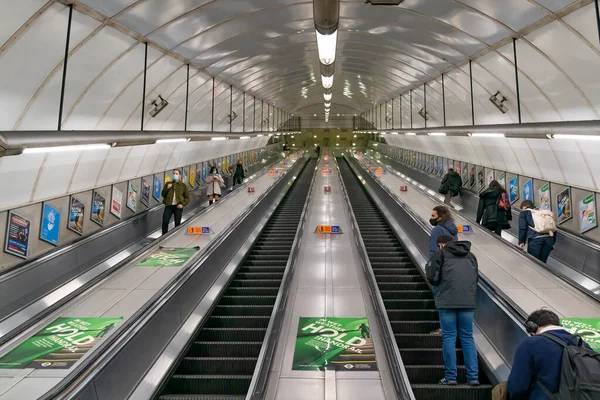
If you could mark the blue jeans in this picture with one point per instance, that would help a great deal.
(540, 247)
(452, 322)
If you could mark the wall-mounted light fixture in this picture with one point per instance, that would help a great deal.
(489, 135)
(181, 140)
(57, 149)
(437, 134)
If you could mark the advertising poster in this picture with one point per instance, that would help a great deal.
(204, 170)
(472, 176)
(465, 174)
(168, 257)
(587, 328)
(156, 188)
(17, 235)
(513, 191)
(132, 193)
(76, 211)
(60, 344)
(168, 177)
(435, 165)
(457, 166)
(563, 206)
(98, 207)
(490, 177)
(411, 158)
(427, 163)
(527, 190)
(502, 179)
(480, 179)
(544, 197)
(145, 195)
(342, 344)
(442, 167)
(192, 176)
(587, 213)
(49, 232)
(186, 174)
(116, 203)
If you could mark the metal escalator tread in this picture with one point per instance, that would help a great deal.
(220, 362)
(409, 304)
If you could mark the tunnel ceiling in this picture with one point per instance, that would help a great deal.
(267, 48)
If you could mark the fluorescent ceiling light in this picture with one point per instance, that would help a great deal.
(576, 137)
(327, 96)
(327, 81)
(315, 136)
(338, 136)
(159, 141)
(219, 138)
(437, 134)
(394, 133)
(327, 105)
(57, 149)
(326, 45)
(245, 137)
(260, 135)
(482, 134)
(410, 134)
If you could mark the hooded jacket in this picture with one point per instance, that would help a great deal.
(488, 213)
(454, 182)
(443, 228)
(454, 271)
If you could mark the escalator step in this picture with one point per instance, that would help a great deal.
(201, 397)
(191, 384)
(413, 315)
(462, 392)
(252, 291)
(232, 334)
(225, 349)
(414, 356)
(425, 374)
(241, 300)
(260, 275)
(217, 365)
(420, 341)
(399, 278)
(237, 322)
(405, 290)
(414, 304)
(422, 327)
(258, 283)
(243, 310)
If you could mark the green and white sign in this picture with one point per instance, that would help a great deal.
(168, 257)
(587, 213)
(342, 344)
(60, 344)
(587, 328)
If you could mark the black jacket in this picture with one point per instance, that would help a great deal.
(454, 182)
(489, 214)
(454, 271)
(526, 225)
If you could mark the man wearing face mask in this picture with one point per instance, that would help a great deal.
(176, 195)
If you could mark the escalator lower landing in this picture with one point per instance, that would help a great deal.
(409, 304)
(221, 361)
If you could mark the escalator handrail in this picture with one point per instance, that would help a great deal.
(515, 309)
(574, 283)
(72, 384)
(19, 327)
(555, 271)
(397, 369)
(259, 381)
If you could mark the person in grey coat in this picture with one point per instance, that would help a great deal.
(454, 271)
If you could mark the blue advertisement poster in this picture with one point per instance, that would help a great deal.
(156, 188)
(50, 225)
(17, 235)
(513, 186)
(528, 190)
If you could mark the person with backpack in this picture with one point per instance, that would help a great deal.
(537, 229)
(548, 363)
(443, 224)
(493, 211)
(451, 185)
(453, 270)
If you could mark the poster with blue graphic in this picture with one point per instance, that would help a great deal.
(528, 190)
(156, 188)
(513, 192)
(50, 224)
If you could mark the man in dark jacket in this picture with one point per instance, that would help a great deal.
(239, 174)
(176, 195)
(454, 271)
(538, 245)
(488, 213)
(451, 185)
(538, 359)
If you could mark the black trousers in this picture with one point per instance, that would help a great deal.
(238, 180)
(169, 211)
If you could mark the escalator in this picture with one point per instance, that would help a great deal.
(409, 303)
(221, 360)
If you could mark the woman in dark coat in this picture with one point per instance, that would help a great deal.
(489, 214)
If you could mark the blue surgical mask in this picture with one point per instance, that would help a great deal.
(175, 177)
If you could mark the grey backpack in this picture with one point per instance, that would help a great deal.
(579, 372)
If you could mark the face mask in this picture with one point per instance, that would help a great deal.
(433, 222)
(213, 173)
(175, 177)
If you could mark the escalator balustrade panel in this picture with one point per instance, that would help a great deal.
(409, 303)
(221, 361)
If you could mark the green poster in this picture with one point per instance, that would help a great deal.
(587, 328)
(60, 344)
(334, 343)
(168, 257)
